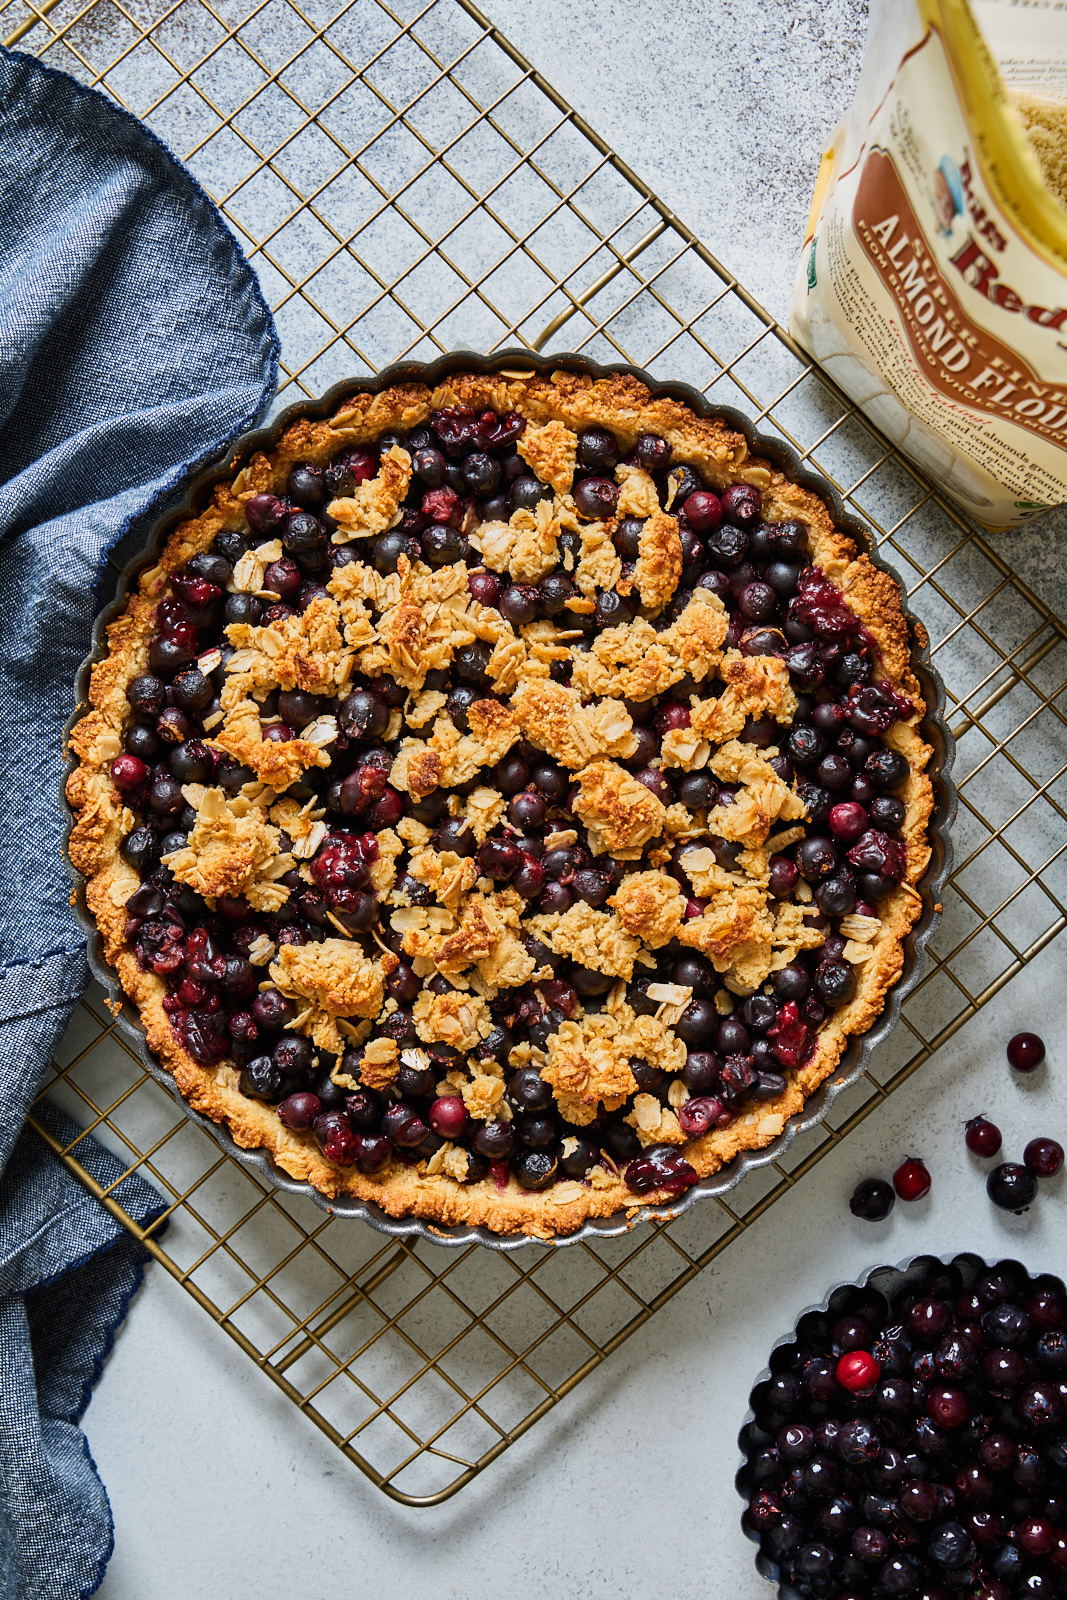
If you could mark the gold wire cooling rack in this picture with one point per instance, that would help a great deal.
(405, 183)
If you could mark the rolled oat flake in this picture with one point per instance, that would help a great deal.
(933, 281)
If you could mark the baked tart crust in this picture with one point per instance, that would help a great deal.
(469, 929)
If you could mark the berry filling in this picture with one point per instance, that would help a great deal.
(915, 1447)
(382, 809)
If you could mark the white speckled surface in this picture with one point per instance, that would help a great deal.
(219, 1487)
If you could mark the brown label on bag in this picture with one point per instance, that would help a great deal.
(964, 362)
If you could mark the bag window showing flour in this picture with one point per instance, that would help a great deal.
(933, 282)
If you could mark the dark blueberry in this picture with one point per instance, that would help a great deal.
(816, 858)
(527, 492)
(371, 1151)
(872, 1200)
(190, 762)
(598, 450)
(481, 473)
(165, 796)
(858, 1443)
(611, 611)
(512, 775)
(694, 791)
(792, 982)
(303, 535)
(870, 1545)
(498, 858)
(757, 602)
(886, 769)
(589, 983)
(442, 546)
(950, 1546)
(956, 1357)
(470, 662)
(701, 1072)
(817, 800)
(1039, 1404)
(459, 703)
(305, 486)
(364, 1109)
(1006, 1324)
(520, 604)
(698, 1023)
(494, 1140)
(168, 655)
(595, 498)
(819, 1382)
(901, 1575)
(1011, 1186)
(805, 744)
(836, 897)
(782, 577)
(428, 465)
(535, 1131)
(742, 503)
(535, 1169)
(812, 1563)
(834, 773)
(299, 1110)
(261, 1079)
(1051, 1351)
(727, 545)
(141, 850)
(390, 547)
(761, 642)
(621, 1142)
(527, 1090)
(835, 983)
(652, 452)
(550, 781)
(147, 694)
(555, 591)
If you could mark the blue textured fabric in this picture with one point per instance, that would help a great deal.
(134, 345)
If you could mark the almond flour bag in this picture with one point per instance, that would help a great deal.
(933, 282)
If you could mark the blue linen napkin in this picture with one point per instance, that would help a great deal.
(134, 345)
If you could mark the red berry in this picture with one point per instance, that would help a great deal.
(448, 1116)
(847, 820)
(1035, 1535)
(1026, 1051)
(911, 1179)
(859, 1371)
(1044, 1157)
(704, 511)
(947, 1407)
(982, 1137)
(127, 772)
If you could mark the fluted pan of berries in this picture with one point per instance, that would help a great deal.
(909, 1438)
(497, 927)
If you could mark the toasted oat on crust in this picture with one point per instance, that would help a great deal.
(479, 813)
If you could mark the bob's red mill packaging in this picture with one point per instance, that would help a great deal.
(933, 282)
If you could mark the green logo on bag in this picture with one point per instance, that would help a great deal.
(811, 263)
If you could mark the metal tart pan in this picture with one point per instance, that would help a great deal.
(934, 729)
(888, 1281)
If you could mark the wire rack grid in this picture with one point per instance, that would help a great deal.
(405, 183)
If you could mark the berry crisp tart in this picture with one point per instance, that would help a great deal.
(504, 801)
